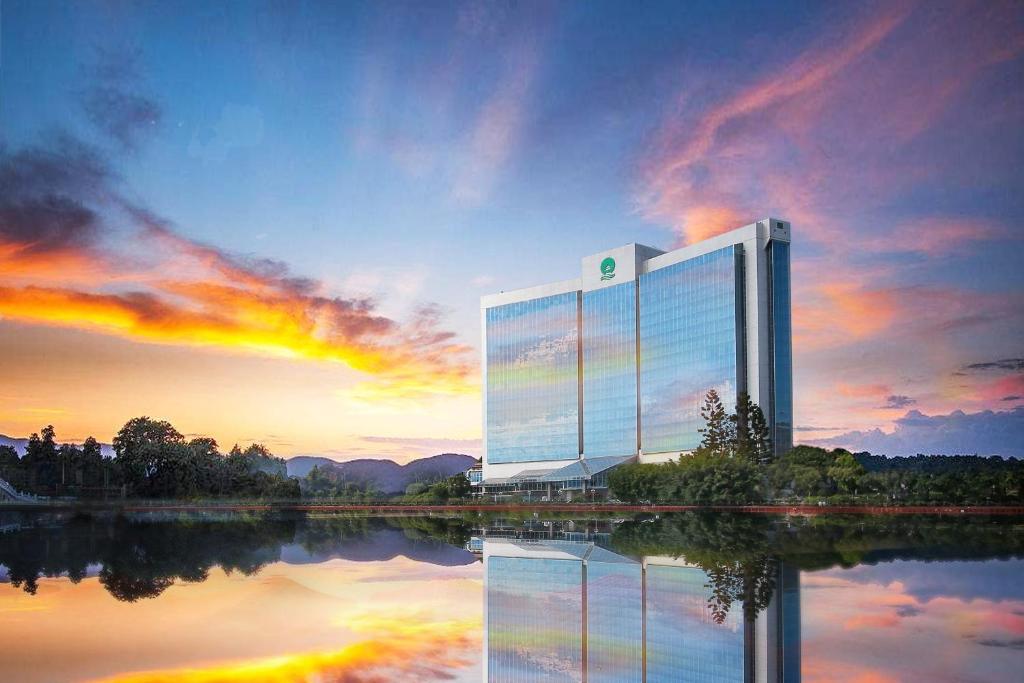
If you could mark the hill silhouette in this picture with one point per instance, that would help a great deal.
(385, 475)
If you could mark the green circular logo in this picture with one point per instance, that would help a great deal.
(608, 268)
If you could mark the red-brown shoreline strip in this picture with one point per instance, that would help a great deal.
(792, 510)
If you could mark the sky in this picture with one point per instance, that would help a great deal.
(273, 221)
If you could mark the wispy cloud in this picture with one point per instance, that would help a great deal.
(1004, 365)
(498, 126)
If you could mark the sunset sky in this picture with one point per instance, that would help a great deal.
(273, 222)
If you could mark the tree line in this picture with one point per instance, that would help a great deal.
(140, 556)
(151, 459)
(734, 465)
(326, 483)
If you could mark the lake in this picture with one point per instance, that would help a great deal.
(287, 596)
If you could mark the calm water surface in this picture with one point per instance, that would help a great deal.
(293, 597)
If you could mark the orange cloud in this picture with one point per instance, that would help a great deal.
(64, 265)
(701, 222)
(213, 315)
(836, 312)
(403, 652)
(75, 252)
(872, 391)
(871, 621)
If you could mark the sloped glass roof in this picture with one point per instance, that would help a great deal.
(585, 468)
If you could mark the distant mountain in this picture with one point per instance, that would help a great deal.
(300, 465)
(19, 445)
(379, 545)
(386, 475)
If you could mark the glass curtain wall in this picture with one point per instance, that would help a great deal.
(684, 642)
(782, 347)
(614, 622)
(534, 619)
(533, 380)
(609, 371)
(689, 318)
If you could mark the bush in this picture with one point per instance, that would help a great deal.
(698, 479)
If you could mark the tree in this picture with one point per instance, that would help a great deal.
(760, 436)
(459, 487)
(70, 458)
(416, 488)
(753, 441)
(744, 408)
(717, 433)
(91, 449)
(204, 445)
(10, 463)
(635, 482)
(141, 446)
(143, 431)
(845, 471)
(42, 460)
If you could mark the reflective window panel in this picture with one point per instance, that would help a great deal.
(684, 642)
(614, 622)
(609, 371)
(534, 620)
(688, 344)
(533, 380)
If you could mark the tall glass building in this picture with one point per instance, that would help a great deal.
(576, 612)
(584, 374)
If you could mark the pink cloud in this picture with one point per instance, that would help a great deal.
(933, 236)
(672, 179)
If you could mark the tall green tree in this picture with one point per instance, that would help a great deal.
(91, 449)
(760, 436)
(10, 465)
(42, 460)
(717, 433)
(753, 440)
(741, 419)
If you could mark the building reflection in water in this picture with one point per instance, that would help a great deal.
(571, 610)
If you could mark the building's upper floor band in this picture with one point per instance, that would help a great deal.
(618, 361)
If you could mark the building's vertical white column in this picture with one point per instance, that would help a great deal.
(483, 389)
(756, 317)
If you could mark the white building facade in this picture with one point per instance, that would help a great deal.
(584, 374)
